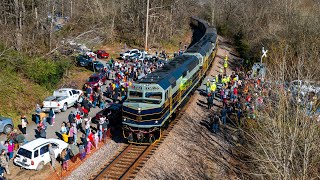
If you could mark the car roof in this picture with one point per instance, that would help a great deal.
(66, 89)
(39, 142)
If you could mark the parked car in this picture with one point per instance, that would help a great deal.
(135, 56)
(35, 154)
(83, 60)
(128, 53)
(304, 87)
(96, 66)
(115, 118)
(61, 99)
(102, 54)
(6, 125)
(96, 79)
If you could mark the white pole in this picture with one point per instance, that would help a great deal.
(147, 27)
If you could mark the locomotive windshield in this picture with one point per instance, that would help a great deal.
(148, 97)
(154, 95)
(135, 94)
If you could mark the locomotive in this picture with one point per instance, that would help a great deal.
(155, 99)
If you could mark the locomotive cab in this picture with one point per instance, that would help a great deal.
(142, 113)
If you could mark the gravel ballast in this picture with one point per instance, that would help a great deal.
(93, 163)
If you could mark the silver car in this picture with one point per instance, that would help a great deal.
(6, 125)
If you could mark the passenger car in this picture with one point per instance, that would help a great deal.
(35, 154)
(6, 125)
(96, 79)
(95, 66)
(129, 53)
(61, 99)
(83, 60)
(102, 54)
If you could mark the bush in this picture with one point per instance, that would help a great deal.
(46, 72)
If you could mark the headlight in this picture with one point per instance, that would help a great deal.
(156, 122)
(96, 84)
(124, 119)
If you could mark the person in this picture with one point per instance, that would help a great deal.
(224, 115)
(71, 117)
(38, 111)
(215, 123)
(52, 156)
(208, 86)
(10, 149)
(24, 123)
(213, 89)
(210, 101)
(52, 115)
(82, 151)
(239, 115)
(74, 151)
(151, 138)
(100, 128)
(43, 133)
(105, 129)
(65, 137)
(89, 145)
(63, 128)
(101, 101)
(87, 126)
(225, 66)
(96, 139)
(4, 161)
(20, 139)
(65, 154)
(73, 133)
(42, 116)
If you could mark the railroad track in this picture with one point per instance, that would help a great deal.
(131, 158)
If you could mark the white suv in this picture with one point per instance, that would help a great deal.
(128, 53)
(35, 154)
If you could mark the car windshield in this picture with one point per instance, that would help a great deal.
(102, 52)
(93, 79)
(25, 153)
(127, 51)
(97, 63)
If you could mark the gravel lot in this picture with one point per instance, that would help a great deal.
(191, 151)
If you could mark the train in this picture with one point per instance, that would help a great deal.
(154, 100)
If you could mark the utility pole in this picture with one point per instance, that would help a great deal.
(147, 28)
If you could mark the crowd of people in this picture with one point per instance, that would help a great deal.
(241, 94)
(79, 130)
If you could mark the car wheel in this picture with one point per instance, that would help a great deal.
(7, 129)
(40, 166)
(65, 107)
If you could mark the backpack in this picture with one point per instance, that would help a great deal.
(26, 120)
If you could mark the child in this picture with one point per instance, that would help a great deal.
(96, 139)
(89, 144)
(10, 149)
(82, 152)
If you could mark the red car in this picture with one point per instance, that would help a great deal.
(96, 80)
(101, 54)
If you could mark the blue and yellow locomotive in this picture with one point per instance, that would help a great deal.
(155, 98)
